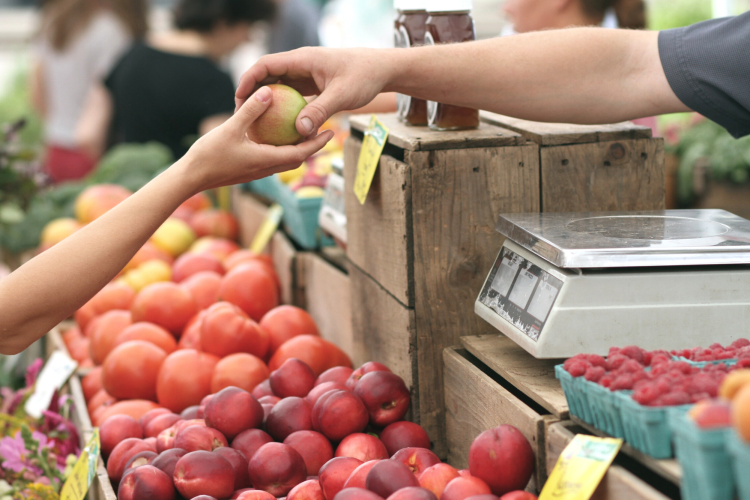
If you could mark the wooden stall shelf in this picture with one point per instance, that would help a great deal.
(250, 212)
(476, 401)
(618, 483)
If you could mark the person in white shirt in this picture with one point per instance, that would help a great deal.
(79, 42)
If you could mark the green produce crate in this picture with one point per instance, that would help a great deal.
(703, 364)
(705, 459)
(576, 394)
(739, 450)
(646, 428)
(606, 409)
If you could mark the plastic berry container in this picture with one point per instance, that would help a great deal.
(646, 428)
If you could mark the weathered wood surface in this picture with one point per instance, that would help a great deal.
(327, 297)
(474, 402)
(284, 256)
(379, 232)
(534, 377)
(424, 139)
(250, 213)
(603, 176)
(553, 134)
(456, 197)
(617, 484)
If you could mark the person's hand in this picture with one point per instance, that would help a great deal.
(343, 79)
(227, 156)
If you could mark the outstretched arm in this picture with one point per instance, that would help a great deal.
(577, 75)
(53, 285)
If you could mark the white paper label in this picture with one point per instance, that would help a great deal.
(55, 373)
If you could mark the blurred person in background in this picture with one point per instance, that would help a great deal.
(170, 88)
(294, 26)
(79, 42)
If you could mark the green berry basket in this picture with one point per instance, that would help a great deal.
(646, 428)
(739, 451)
(576, 393)
(705, 459)
(606, 409)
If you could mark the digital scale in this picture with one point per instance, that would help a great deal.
(567, 283)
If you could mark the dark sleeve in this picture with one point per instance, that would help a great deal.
(217, 98)
(708, 67)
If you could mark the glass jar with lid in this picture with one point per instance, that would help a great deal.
(411, 16)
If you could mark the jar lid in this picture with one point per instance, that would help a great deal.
(449, 5)
(409, 5)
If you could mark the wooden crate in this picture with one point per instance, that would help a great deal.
(476, 400)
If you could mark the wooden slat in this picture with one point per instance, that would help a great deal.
(284, 255)
(553, 134)
(456, 197)
(250, 213)
(424, 139)
(617, 484)
(474, 403)
(534, 377)
(605, 176)
(379, 232)
(328, 300)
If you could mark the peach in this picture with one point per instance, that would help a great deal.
(241, 370)
(334, 474)
(514, 495)
(413, 493)
(204, 473)
(190, 413)
(339, 414)
(417, 459)
(203, 497)
(191, 263)
(196, 438)
(95, 200)
(385, 396)
(711, 413)
(150, 415)
(317, 391)
(239, 465)
(400, 435)
(464, 473)
(503, 458)
(165, 439)
(142, 458)
(266, 411)
(269, 400)
(263, 389)
(436, 477)
(167, 460)
(370, 366)
(388, 476)
(289, 415)
(214, 222)
(256, 495)
(338, 374)
(277, 125)
(237, 493)
(358, 478)
(314, 447)
(356, 494)
(160, 423)
(232, 411)
(276, 468)
(306, 490)
(250, 441)
(363, 447)
(122, 453)
(116, 429)
(146, 482)
(204, 287)
(292, 378)
(464, 487)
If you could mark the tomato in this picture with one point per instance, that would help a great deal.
(227, 330)
(91, 383)
(79, 349)
(136, 408)
(191, 263)
(185, 379)
(240, 256)
(317, 353)
(251, 287)
(191, 335)
(105, 330)
(218, 247)
(285, 322)
(240, 370)
(113, 296)
(148, 332)
(199, 201)
(131, 369)
(165, 304)
(84, 315)
(148, 252)
(204, 287)
(214, 222)
(98, 400)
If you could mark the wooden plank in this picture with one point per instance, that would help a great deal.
(617, 484)
(384, 332)
(379, 238)
(553, 134)
(456, 197)
(424, 139)
(328, 300)
(284, 255)
(534, 377)
(250, 213)
(604, 176)
(474, 402)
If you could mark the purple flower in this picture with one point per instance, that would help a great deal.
(17, 457)
(32, 372)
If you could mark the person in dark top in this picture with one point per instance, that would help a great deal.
(576, 75)
(169, 88)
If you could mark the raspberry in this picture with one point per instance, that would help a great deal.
(703, 382)
(606, 381)
(683, 367)
(631, 366)
(743, 363)
(659, 359)
(595, 360)
(622, 382)
(664, 385)
(615, 361)
(633, 352)
(578, 368)
(675, 398)
(613, 351)
(740, 343)
(594, 373)
(715, 346)
(646, 394)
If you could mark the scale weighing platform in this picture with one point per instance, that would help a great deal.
(567, 283)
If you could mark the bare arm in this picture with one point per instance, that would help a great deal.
(53, 285)
(93, 126)
(578, 75)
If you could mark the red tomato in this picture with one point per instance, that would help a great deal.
(285, 322)
(104, 332)
(131, 369)
(251, 287)
(227, 330)
(148, 332)
(214, 222)
(317, 353)
(185, 379)
(204, 287)
(191, 263)
(165, 304)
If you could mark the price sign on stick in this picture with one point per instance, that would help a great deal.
(266, 230)
(369, 157)
(80, 479)
(580, 468)
(52, 377)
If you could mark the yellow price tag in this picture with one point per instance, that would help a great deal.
(80, 479)
(266, 230)
(369, 157)
(580, 468)
(224, 197)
